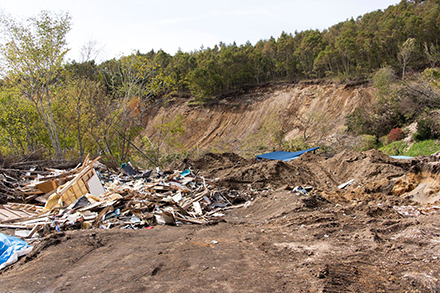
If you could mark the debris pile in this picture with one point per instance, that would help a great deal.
(91, 196)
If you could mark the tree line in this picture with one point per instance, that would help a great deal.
(353, 49)
(72, 108)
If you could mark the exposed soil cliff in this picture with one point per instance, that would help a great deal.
(256, 116)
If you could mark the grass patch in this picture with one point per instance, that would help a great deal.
(421, 148)
(424, 148)
(395, 148)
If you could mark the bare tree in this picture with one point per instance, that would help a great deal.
(405, 52)
(90, 51)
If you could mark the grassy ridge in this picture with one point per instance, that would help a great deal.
(421, 148)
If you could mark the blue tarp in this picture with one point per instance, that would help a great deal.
(11, 248)
(401, 157)
(285, 156)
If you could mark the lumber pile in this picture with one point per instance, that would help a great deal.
(91, 196)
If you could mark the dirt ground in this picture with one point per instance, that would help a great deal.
(381, 234)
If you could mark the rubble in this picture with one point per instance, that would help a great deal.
(85, 198)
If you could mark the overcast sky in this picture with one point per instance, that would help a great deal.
(120, 27)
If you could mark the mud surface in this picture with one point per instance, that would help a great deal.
(372, 236)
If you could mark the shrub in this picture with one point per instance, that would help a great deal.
(427, 128)
(383, 79)
(424, 129)
(415, 136)
(396, 134)
(295, 145)
(367, 142)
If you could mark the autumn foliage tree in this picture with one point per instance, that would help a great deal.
(34, 54)
(396, 134)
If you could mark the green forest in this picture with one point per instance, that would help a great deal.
(66, 109)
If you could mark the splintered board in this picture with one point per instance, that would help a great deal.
(78, 189)
(16, 211)
(86, 182)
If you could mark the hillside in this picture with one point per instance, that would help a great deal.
(254, 117)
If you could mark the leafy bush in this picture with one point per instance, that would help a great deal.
(327, 149)
(295, 145)
(396, 134)
(427, 128)
(432, 75)
(367, 142)
(383, 79)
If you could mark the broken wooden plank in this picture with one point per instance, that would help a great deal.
(16, 226)
(197, 198)
(74, 189)
(17, 212)
(192, 221)
(47, 185)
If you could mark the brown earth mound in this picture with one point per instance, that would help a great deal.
(308, 170)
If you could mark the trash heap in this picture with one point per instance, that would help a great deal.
(91, 196)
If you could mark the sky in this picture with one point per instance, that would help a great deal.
(117, 28)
